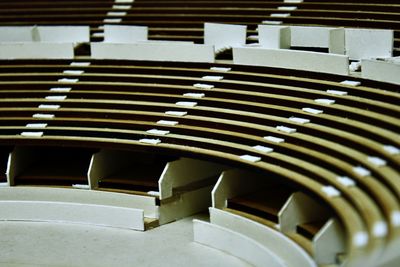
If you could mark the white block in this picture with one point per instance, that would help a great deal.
(336, 92)
(176, 113)
(98, 34)
(274, 139)
(252, 37)
(194, 95)
(395, 218)
(56, 97)
(157, 132)
(45, 106)
(125, 34)
(346, 181)
(186, 104)
(377, 161)
(154, 193)
(220, 69)
(287, 7)
(224, 35)
(355, 66)
(73, 72)
(81, 186)
(263, 149)
(203, 86)
(36, 125)
(293, 1)
(112, 20)
(391, 149)
(272, 22)
(150, 141)
(36, 50)
(61, 89)
(64, 34)
(80, 64)
(250, 158)
(67, 80)
(124, 1)
(280, 15)
(330, 191)
(325, 101)
(380, 229)
(384, 71)
(369, 43)
(299, 120)
(121, 7)
(165, 122)
(43, 116)
(361, 171)
(274, 37)
(292, 59)
(286, 129)
(312, 110)
(116, 14)
(180, 52)
(212, 77)
(32, 134)
(360, 239)
(351, 83)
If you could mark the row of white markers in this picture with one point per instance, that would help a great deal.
(329, 190)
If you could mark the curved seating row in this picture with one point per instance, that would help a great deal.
(302, 131)
(179, 20)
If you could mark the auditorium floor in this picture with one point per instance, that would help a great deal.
(36, 244)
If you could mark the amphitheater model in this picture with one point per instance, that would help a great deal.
(278, 121)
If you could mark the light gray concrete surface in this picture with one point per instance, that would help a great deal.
(37, 244)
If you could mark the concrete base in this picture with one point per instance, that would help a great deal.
(56, 245)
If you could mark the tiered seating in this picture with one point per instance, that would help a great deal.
(297, 135)
(182, 20)
(311, 158)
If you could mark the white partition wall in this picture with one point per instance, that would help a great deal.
(180, 52)
(310, 36)
(279, 244)
(369, 43)
(45, 34)
(292, 59)
(62, 34)
(125, 34)
(234, 243)
(41, 42)
(274, 37)
(319, 37)
(223, 36)
(16, 34)
(381, 70)
(76, 206)
(185, 187)
(72, 213)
